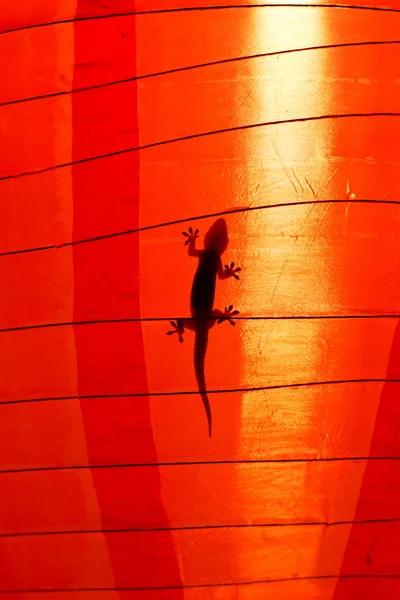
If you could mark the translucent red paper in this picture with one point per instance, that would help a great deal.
(121, 125)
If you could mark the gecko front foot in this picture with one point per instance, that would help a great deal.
(231, 271)
(191, 236)
(178, 329)
(228, 314)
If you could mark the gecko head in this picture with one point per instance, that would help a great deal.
(216, 237)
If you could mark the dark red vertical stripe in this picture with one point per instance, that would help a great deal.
(375, 549)
(110, 358)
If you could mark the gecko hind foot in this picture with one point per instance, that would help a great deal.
(228, 314)
(231, 271)
(178, 329)
(192, 235)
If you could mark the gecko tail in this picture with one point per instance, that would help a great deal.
(200, 348)
(206, 404)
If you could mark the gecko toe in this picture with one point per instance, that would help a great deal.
(231, 271)
(178, 329)
(190, 235)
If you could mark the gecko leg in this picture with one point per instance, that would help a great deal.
(191, 236)
(191, 242)
(226, 315)
(230, 271)
(178, 329)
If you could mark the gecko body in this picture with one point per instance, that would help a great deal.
(203, 314)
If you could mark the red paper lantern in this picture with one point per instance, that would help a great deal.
(122, 125)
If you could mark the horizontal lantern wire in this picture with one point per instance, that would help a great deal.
(188, 318)
(198, 586)
(202, 463)
(128, 530)
(107, 236)
(196, 66)
(195, 392)
(200, 9)
(284, 386)
(196, 136)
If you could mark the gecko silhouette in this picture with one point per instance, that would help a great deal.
(204, 316)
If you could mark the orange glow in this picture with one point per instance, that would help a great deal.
(121, 126)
